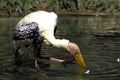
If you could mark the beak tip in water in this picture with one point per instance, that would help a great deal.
(87, 72)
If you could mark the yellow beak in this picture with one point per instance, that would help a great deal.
(79, 59)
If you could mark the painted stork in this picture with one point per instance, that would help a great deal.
(39, 27)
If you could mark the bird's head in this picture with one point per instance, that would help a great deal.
(75, 52)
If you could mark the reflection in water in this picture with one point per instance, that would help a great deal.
(96, 36)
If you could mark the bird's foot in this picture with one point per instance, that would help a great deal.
(65, 63)
(37, 68)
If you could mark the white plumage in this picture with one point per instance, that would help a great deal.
(46, 23)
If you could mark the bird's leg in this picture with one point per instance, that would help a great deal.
(15, 51)
(46, 57)
(56, 59)
(36, 57)
(39, 50)
(63, 62)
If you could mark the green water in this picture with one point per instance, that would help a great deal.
(100, 52)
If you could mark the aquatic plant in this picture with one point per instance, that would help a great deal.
(18, 7)
(22, 7)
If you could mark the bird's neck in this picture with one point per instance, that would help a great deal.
(59, 43)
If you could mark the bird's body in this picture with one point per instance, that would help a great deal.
(46, 23)
(40, 27)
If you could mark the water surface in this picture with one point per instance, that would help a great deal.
(97, 37)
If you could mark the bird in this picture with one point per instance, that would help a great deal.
(39, 27)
